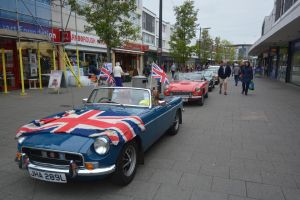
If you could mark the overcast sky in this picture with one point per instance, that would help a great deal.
(238, 21)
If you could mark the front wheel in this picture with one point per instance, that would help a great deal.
(176, 124)
(126, 164)
(201, 101)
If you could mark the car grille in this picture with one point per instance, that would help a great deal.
(52, 157)
(181, 93)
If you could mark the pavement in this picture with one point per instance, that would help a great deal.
(235, 147)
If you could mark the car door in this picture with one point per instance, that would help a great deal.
(157, 121)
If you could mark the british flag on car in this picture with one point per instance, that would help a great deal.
(87, 123)
(106, 74)
(159, 74)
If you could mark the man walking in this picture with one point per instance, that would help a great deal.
(236, 73)
(224, 73)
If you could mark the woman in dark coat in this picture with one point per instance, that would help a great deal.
(246, 77)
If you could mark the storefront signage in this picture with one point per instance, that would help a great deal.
(65, 36)
(55, 79)
(24, 27)
(135, 46)
(86, 40)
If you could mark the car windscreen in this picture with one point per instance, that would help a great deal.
(121, 96)
(190, 76)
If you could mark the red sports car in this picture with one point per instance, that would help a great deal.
(189, 87)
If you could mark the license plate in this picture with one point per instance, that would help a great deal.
(48, 176)
(185, 99)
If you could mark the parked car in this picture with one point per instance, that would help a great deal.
(208, 76)
(107, 136)
(189, 87)
(214, 70)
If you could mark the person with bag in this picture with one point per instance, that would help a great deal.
(246, 77)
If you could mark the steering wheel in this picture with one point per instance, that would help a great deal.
(104, 98)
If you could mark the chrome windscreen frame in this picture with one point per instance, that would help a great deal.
(127, 105)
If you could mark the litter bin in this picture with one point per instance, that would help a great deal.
(139, 81)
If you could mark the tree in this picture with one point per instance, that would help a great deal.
(184, 31)
(228, 51)
(219, 50)
(110, 20)
(204, 48)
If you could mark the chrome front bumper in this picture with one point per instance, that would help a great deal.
(24, 163)
(80, 172)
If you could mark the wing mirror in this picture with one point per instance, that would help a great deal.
(84, 101)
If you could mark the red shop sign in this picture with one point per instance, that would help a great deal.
(135, 46)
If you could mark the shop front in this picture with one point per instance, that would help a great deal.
(9, 53)
(295, 63)
(131, 58)
(90, 50)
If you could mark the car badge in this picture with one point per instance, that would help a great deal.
(52, 155)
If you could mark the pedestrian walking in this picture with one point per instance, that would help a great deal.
(224, 73)
(118, 72)
(236, 73)
(173, 70)
(246, 77)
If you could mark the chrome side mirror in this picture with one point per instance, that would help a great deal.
(84, 101)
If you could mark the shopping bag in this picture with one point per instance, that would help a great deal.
(251, 85)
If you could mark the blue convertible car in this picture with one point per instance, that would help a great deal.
(107, 136)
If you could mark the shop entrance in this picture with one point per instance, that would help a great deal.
(128, 62)
(11, 66)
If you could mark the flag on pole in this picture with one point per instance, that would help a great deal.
(159, 74)
(105, 73)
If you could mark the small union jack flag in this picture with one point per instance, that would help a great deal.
(105, 73)
(159, 74)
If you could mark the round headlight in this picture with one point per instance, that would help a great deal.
(197, 89)
(101, 145)
(21, 140)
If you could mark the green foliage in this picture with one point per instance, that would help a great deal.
(205, 46)
(110, 20)
(184, 32)
(219, 50)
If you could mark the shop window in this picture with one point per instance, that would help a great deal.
(295, 71)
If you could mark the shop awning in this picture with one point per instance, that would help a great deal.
(118, 50)
(85, 48)
(286, 29)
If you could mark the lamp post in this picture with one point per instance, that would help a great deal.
(160, 41)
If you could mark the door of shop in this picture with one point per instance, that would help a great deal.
(11, 66)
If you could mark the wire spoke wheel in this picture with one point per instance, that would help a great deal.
(129, 160)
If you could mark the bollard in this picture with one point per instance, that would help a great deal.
(54, 61)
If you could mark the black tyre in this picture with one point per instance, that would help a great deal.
(201, 101)
(126, 164)
(176, 125)
(206, 95)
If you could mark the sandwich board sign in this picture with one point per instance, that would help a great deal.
(56, 80)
